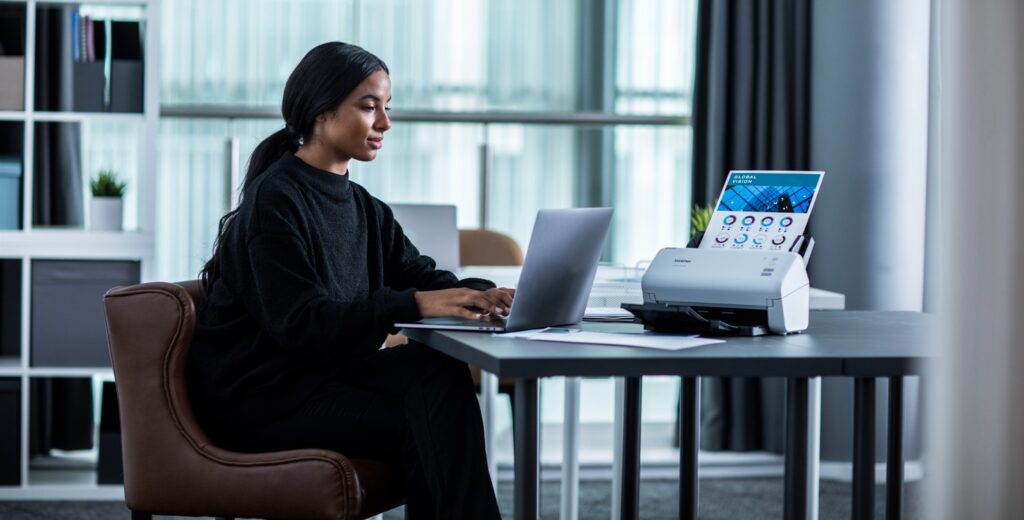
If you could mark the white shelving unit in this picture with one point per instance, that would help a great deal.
(75, 477)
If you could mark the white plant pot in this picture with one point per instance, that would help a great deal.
(106, 213)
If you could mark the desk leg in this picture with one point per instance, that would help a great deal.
(527, 444)
(630, 505)
(800, 456)
(689, 444)
(618, 422)
(813, 445)
(894, 458)
(863, 448)
(488, 407)
(570, 450)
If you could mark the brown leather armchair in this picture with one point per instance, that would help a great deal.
(170, 465)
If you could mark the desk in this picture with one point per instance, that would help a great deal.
(613, 285)
(859, 344)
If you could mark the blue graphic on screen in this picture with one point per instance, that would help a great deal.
(769, 193)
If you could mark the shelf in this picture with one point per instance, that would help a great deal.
(104, 373)
(76, 244)
(62, 484)
(96, 2)
(48, 492)
(78, 117)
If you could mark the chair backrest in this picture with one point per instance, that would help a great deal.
(486, 247)
(149, 328)
(170, 465)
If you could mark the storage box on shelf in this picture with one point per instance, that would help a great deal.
(12, 56)
(12, 82)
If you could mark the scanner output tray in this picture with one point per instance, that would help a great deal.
(707, 321)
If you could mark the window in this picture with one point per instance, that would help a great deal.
(446, 57)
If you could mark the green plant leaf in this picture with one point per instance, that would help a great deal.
(107, 184)
(700, 217)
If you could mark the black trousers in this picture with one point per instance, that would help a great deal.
(410, 405)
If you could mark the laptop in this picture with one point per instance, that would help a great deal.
(556, 278)
(432, 229)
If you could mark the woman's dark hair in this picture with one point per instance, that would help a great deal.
(319, 83)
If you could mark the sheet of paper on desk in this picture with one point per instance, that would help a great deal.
(639, 339)
(607, 314)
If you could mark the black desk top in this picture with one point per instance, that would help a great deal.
(837, 343)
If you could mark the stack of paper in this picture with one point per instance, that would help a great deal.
(612, 314)
(645, 339)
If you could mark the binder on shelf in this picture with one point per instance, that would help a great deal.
(88, 78)
(126, 67)
(88, 85)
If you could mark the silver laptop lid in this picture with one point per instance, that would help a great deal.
(558, 272)
(432, 229)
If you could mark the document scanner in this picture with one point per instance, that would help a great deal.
(724, 292)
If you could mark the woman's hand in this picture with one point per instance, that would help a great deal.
(466, 303)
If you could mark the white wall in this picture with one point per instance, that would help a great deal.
(979, 415)
(869, 126)
(869, 132)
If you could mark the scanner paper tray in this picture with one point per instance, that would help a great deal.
(664, 317)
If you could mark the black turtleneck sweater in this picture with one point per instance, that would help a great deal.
(314, 271)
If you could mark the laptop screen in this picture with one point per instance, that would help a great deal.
(432, 229)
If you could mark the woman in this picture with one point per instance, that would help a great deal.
(307, 278)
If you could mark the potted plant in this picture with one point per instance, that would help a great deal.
(700, 217)
(107, 205)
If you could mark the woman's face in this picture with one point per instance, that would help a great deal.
(355, 130)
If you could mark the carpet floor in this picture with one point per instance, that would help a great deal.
(720, 499)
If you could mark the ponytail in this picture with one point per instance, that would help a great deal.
(266, 153)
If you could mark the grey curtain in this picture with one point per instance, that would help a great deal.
(57, 178)
(751, 111)
(61, 415)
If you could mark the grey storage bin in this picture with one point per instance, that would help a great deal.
(10, 192)
(12, 82)
(10, 432)
(68, 327)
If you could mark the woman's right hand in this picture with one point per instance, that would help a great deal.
(466, 303)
